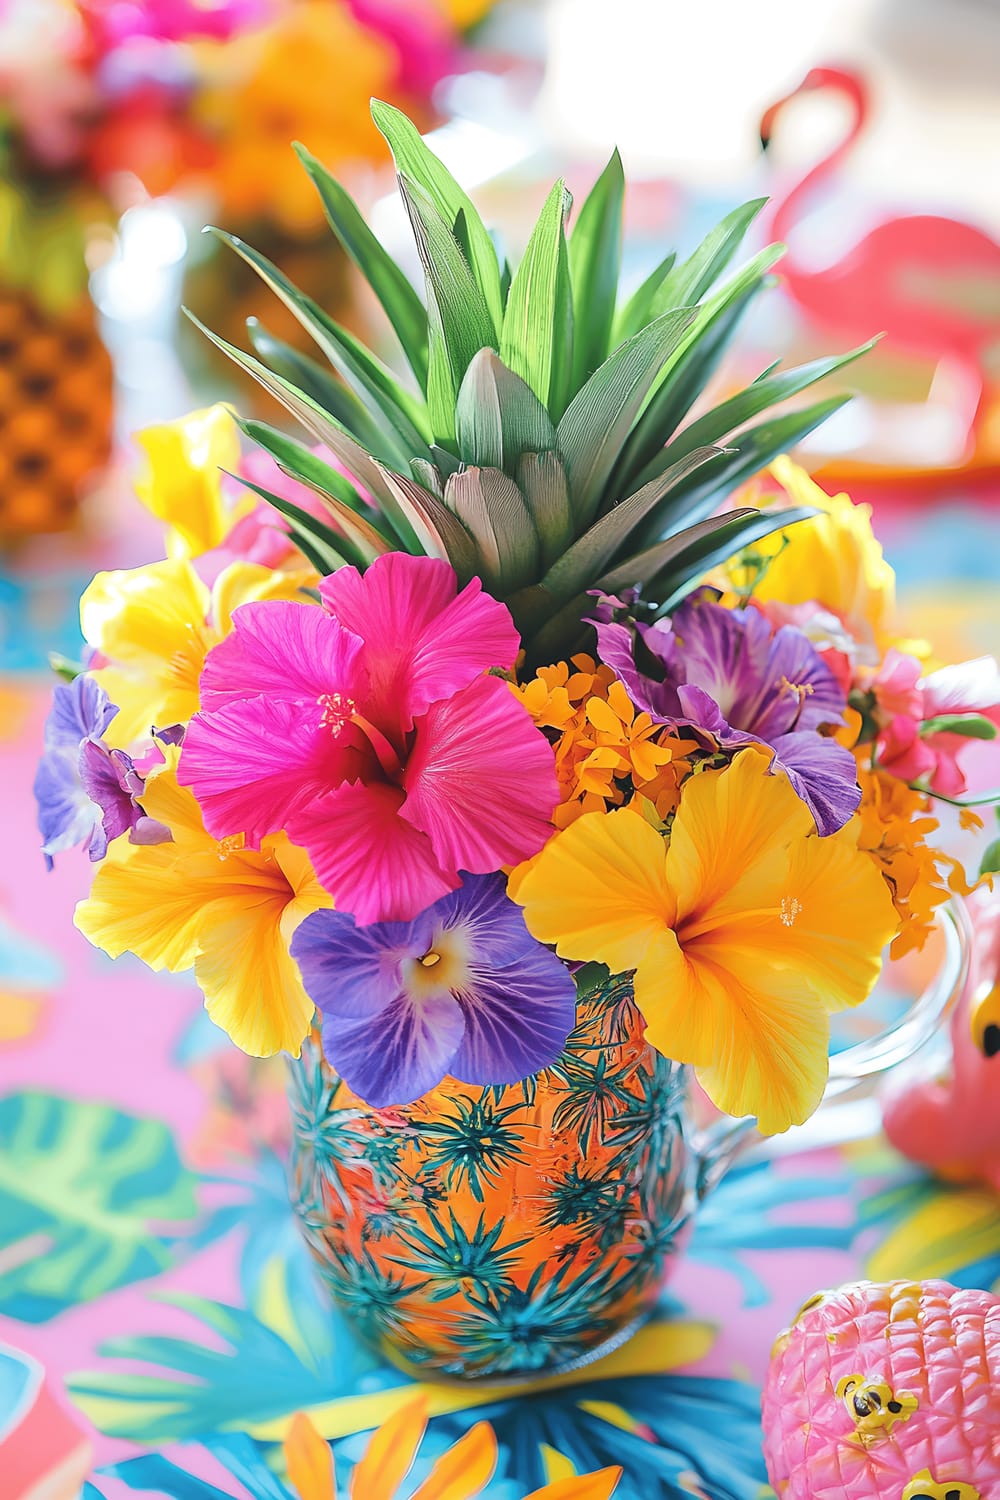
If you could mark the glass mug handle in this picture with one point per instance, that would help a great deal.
(718, 1144)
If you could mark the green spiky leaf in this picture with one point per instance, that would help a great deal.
(541, 478)
(750, 451)
(325, 548)
(601, 415)
(324, 428)
(595, 246)
(401, 420)
(769, 389)
(403, 307)
(687, 370)
(415, 160)
(492, 508)
(321, 387)
(439, 530)
(458, 318)
(536, 340)
(686, 568)
(498, 417)
(586, 559)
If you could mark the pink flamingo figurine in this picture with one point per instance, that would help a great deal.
(952, 1126)
(931, 284)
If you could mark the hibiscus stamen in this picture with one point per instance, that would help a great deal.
(339, 711)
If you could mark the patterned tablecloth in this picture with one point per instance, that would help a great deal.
(156, 1303)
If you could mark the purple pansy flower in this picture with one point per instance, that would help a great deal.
(726, 673)
(85, 792)
(463, 989)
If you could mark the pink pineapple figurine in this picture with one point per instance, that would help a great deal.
(952, 1125)
(887, 1392)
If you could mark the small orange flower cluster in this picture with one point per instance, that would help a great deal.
(602, 741)
(895, 826)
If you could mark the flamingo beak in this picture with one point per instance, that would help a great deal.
(770, 115)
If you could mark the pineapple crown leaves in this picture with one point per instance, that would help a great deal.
(539, 440)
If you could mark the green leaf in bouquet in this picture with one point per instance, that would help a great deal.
(687, 370)
(602, 413)
(688, 283)
(415, 160)
(402, 306)
(969, 726)
(642, 567)
(769, 389)
(299, 462)
(536, 340)
(705, 551)
(595, 246)
(498, 417)
(458, 318)
(318, 384)
(748, 452)
(396, 414)
(492, 508)
(541, 478)
(324, 428)
(636, 312)
(591, 553)
(356, 541)
(439, 530)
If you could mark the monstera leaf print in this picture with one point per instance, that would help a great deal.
(286, 1352)
(81, 1187)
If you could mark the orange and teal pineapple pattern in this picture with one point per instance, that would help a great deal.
(502, 1231)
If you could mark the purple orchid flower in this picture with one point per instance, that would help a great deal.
(725, 673)
(85, 792)
(463, 989)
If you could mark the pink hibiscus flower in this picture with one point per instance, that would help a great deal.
(368, 730)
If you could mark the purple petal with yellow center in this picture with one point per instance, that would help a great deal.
(463, 989)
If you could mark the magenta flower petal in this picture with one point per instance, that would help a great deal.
(423, 641)
(285, 650)
(253, 765)
(464, 990)
(376, 865)
(481, 779)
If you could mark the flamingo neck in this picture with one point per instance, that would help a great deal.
(790, 210)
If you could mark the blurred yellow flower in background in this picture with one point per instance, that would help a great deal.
(834, 559)
(181, 480)
(745, 930)
(225, 911)
(462, 1473)
(155, 626)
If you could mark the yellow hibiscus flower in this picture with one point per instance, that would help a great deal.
(181, 480)
(156, 624)
(461, 1473)
(225, 911)
(834, 559)
(744, 930)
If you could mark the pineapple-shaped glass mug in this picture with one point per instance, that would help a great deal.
(526, 1229)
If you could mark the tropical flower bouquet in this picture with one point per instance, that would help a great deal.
(481, 760)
